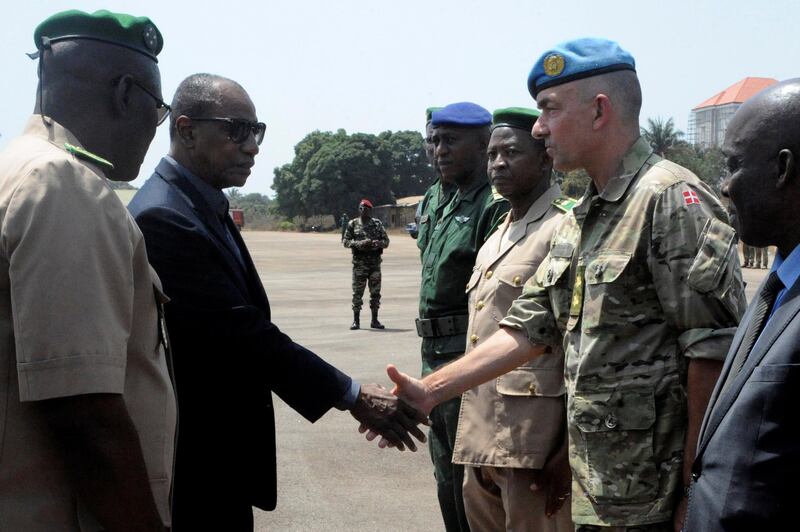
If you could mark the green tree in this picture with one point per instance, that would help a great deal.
(256, 207)
(662, 136)
(573, 184)
(707, 163)
(411, 173)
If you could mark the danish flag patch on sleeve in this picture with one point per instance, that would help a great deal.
(690, 197)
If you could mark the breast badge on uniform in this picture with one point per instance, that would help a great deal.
(462, 219)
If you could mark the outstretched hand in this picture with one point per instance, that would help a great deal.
(412, 391)
(384, 414)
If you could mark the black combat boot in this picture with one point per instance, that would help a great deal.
(375, 324)
(356, 321)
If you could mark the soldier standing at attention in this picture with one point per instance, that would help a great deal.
(438, 194)
(367, 238)
(512, 431)
(460, 136)
(641, 288)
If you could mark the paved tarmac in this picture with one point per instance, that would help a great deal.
(329, 478)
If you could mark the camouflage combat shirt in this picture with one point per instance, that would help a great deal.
(358, 233)
(447, 261)
(639, 277)
(433, 203)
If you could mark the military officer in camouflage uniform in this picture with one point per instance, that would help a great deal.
(438, 194)
(641, 288)
(460, 137)
(367, 238)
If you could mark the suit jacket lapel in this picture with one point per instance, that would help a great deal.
(209, 219)
(773, 329)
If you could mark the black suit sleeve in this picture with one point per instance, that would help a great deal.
(218, 333)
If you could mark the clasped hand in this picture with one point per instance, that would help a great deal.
(384, 414)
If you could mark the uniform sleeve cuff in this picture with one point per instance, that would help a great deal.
(709, 344)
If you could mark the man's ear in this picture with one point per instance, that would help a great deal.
(184, 130)
(787, 169)
(602, 111)
(121, 98)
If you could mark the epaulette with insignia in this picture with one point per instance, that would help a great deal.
(80, 153)
(496, 195)
(564, 203)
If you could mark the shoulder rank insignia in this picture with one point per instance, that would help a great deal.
(80, 153)
(496, 195)
(564, 203)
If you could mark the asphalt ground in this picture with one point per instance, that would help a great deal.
(329, 477)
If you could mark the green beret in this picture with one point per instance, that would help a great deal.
(429, 113)
(518, 117)
(134, 33)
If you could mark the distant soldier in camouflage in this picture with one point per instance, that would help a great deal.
(366, 237)
(641, 288)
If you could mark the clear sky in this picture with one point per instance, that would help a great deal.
(372, 66)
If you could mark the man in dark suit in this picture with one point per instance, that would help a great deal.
(228, 355)
(747, 467)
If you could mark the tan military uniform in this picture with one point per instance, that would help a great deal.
(514, 423)
(78, 315)
(639, 277)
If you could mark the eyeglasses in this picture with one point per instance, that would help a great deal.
(162, 108)
(239, 130)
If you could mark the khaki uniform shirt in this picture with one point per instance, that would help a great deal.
(78, 315)
(447, 261)
(639, 277)
(518, 419)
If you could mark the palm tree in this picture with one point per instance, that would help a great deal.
(662, 135)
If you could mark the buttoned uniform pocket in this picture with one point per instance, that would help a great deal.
(608, 298)
(529, 416)
(714, 270)
(553, 276)
(511, 278)
(614, 445)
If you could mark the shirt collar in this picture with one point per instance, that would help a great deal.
(631, 165)
(45, 127)
(477, 185)
(214, 197)
(788, 269)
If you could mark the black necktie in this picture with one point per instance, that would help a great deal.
(766, 298)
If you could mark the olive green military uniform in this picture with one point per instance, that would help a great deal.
(447, 261)
(639, 278)
(79, 315)
(359, 237)
(433, 203)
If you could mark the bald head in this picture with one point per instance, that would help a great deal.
(199, 95)
(762, 147)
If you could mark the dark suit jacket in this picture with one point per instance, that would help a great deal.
(228, 356)
(747, 470)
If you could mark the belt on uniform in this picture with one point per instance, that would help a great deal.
(447, 326)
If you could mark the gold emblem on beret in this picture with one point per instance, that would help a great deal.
(553, 64)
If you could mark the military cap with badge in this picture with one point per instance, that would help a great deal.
(134, 33)
(578, 59)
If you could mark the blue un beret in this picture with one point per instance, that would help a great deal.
(461, 114)
(577, 59)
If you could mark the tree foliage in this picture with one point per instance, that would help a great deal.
(256, 208)
(331, 172)
(662, 135)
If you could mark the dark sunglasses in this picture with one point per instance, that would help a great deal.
(239, 130)
(162, 108)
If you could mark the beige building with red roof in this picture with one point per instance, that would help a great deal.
(709, 120)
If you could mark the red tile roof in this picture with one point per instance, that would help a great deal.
(738, 92)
